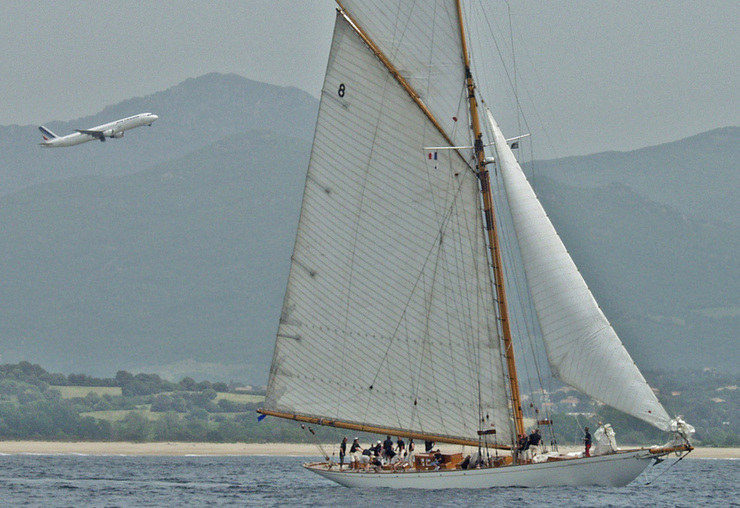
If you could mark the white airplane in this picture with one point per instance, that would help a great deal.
(107, 130)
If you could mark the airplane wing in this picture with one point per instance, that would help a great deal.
(97, 134)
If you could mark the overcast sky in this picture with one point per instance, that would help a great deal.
(592, 76)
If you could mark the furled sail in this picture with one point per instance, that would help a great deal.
(387, 319)
(582, 348)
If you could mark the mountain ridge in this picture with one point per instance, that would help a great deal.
(178, 266)
(193, 114)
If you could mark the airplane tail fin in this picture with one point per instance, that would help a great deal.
(47, 134)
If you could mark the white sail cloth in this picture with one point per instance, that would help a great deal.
(582, 348)
(423, 41)
(605, 440)
(387, 319)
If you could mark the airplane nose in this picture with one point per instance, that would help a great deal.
(155, 117)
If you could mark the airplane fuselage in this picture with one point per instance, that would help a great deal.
(107, 130)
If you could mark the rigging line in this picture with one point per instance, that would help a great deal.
(523, 293)
(669, 467)
(431, 46)
(365, 172)
(416, 380)
(466, 323)
(520, 111)
(494, 357)
(396, 25)
(497, 356)
(457, 245)
(420, 275)
(316, 440)
(513, 82)
(461, 101)
(429, 292)
(478, 355)
(430, 303)
(514, 71)
(526, 90)
(445, 223)
(497, 328)
(476, 341)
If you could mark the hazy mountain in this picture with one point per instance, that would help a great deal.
(656, 233)
(192, 115)
(668, 282)
(185, 262)
(698, 176)
(179, 268)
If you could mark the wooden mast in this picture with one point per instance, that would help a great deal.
(493, 241)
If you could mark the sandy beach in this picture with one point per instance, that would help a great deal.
(276, 449)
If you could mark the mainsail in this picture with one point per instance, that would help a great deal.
(582, 348)
(388, 316)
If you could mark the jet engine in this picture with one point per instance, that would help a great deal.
(118, 135)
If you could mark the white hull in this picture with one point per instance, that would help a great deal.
(615, 470)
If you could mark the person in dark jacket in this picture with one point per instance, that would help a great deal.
(534, 441)
(587, 442)
(342, 452)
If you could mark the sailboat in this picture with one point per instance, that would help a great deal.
(396, 319)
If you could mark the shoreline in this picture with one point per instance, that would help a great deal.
(227, 449)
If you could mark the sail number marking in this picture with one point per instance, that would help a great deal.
(341, 90)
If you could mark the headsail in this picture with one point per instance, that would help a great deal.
(387, 318)
(582, 348)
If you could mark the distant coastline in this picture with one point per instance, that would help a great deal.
(236, 449)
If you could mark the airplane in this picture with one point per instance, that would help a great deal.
(107, 130)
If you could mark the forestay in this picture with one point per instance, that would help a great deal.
(388, 317)
(582, 348)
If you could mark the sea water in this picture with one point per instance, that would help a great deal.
(80, 480)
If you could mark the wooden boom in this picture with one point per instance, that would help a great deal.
(381, 430)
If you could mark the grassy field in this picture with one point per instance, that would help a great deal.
(69, 392)
(240, 397)
(118, 415)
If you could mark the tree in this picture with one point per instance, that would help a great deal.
(161, 403)
(133, 427)
(188, 384)
(123, 378)
(220, 387)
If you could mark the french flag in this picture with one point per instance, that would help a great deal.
(432, 156)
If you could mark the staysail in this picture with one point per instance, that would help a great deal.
(582, 347)
(387, 318)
